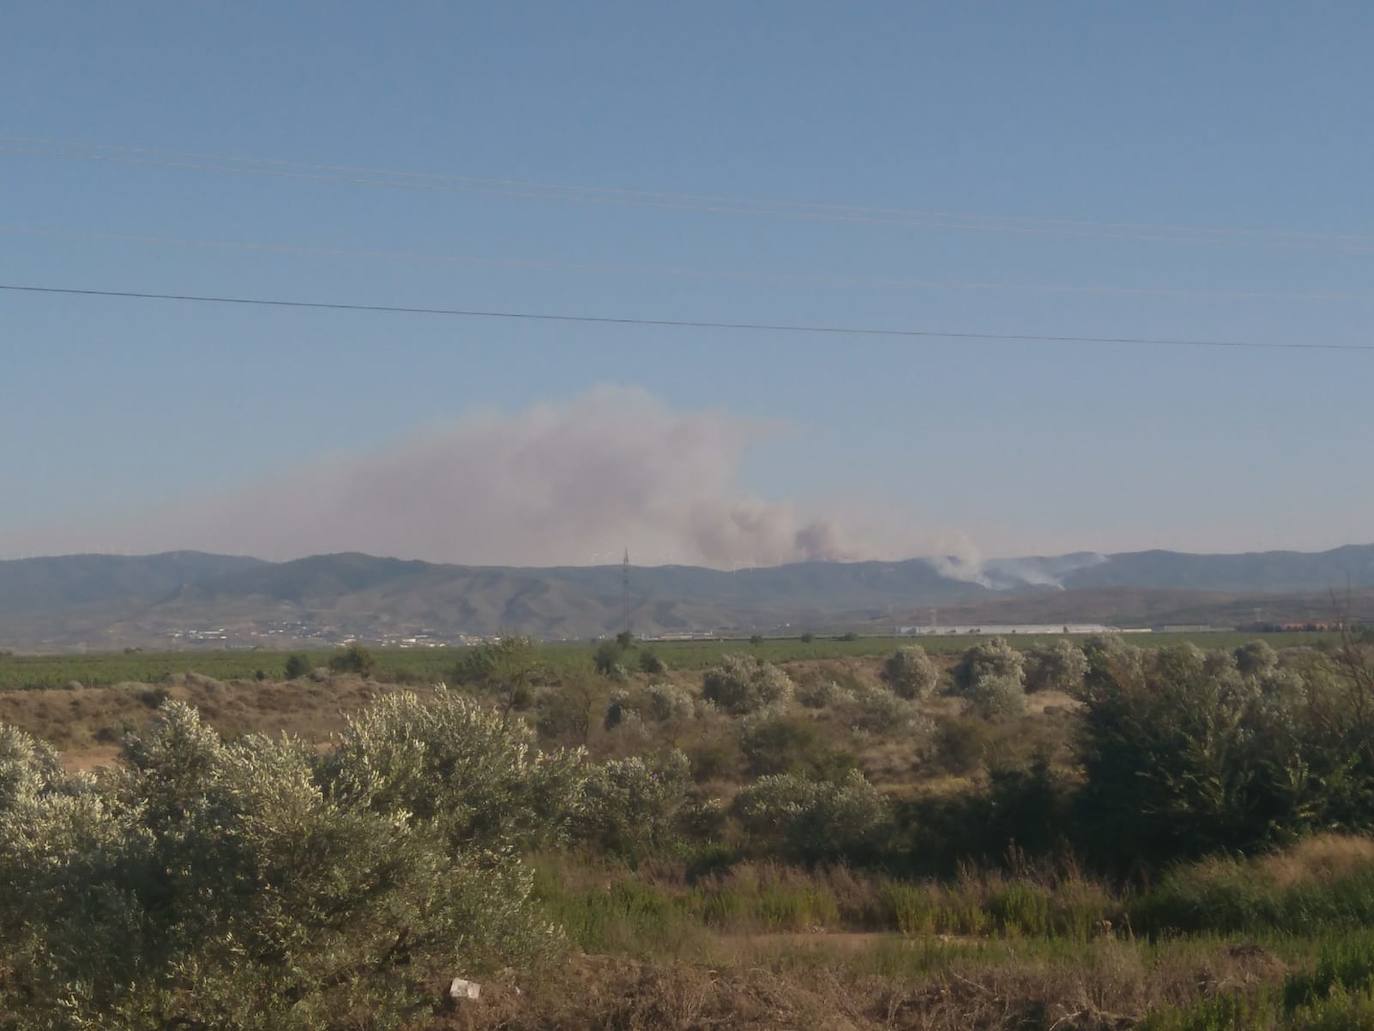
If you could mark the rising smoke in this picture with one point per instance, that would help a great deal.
(572, 483)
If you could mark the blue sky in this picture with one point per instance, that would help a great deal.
(1122, 119)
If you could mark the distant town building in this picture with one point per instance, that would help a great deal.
(1008, 629)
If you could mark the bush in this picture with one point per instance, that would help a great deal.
(714, 760)
(741, 684)
(208, 884)
(631, 805)
(606, 659)
(811, 820)
(29, 770)
(667, 703)
(911, 673)
(1181, 758)
(998, 698)
(617, 708)
(1110, 658)
(991, 676)
(1028, 808)
(508, 668)
(1058, 667)
(449, 761)
(776, 743)
(819, 692)
(961, 744)
(875, 710)
(1256, 659)
(297, 666)
(567, 712)
(650, 663)
(152, 697)
(353, 659)
(657, 703)
(992, 658)
(703, 820)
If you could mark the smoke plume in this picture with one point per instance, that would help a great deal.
(571, 483)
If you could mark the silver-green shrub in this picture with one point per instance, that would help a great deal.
(991, 676)
(742, 684)
(813, 820)
(470, 771)
(252, 885)
(876, 710)
(631, 805)
(667, 703)
(911, 673)
(1060, 666)
(819, 693)
(1256, 658)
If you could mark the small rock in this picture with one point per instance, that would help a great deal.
(464, 989)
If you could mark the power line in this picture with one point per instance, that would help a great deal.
(821, 280)
(769, 327)
(706, 203)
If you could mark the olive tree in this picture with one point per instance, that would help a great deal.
(508, 668)
(297, 666)
(1256, 658)
(814, 820)
(610, 657)
(742, 684)
(631, 804)
(911, 673)
(991, 676)
(458, 765)
(1059, 667)
(252, 885)
(354, 658)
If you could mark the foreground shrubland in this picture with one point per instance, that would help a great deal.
(1058, 838)
(257, 884)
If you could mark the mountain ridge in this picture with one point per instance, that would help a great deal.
(113, 601)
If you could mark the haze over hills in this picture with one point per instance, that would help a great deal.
(189, 598)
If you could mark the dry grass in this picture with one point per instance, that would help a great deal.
(1318, 860)
(87, 724)
(784, 983)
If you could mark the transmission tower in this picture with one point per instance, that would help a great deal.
(625, 590)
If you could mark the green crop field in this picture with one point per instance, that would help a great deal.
(18, 672)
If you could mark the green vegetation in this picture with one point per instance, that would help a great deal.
(911, 673)
(353, 658)
(743, 684)
(255, 884)
(297, 666)
(900, 837)
(426, 665)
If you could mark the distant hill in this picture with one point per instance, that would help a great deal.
(103, 601)
(1266, 571)
(38, 585)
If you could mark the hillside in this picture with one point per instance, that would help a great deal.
(103, 601)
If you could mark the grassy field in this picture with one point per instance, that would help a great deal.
(19, 672)
(1278, 942)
